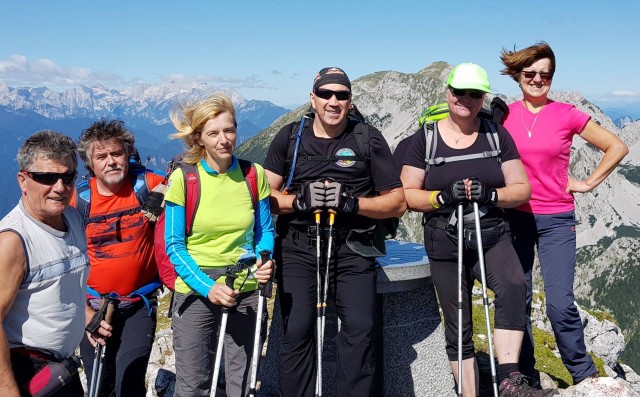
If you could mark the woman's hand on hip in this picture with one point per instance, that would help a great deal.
(577, 186)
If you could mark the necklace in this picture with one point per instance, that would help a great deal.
(529, 130)
(460, 138)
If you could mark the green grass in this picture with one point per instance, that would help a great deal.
(163, 309)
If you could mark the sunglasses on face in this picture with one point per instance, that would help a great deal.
(51, 178)
(472, 93)
(530, 74)
(327, 94)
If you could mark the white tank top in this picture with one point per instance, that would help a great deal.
(48, 312)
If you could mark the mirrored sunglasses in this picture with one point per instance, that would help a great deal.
(327, 94)
(51, 178)
(472, 93)
(530, 74)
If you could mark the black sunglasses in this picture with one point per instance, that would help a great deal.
(327, 94)
(51, 178)
(530, 74)
(472, 93)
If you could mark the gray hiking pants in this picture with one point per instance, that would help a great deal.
(195, 328)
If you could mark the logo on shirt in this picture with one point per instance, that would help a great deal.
(346, 152)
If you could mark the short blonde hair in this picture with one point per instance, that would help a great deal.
(190, 117)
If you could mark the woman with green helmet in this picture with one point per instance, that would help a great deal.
(471, 176)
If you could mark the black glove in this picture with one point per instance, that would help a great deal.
(311, 197)
(152, 206)
(482, 194)
(337, 196)
(452, 194)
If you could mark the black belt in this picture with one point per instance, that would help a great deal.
(309, 233)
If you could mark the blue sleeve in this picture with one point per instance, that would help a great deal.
(174, 237)
(264, 233)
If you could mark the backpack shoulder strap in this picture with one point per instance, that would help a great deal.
(251, 178)
(363, 138)
(493, 138)
(191, 194)
(431, 140)
(292, 150)
(140, 185)
(83, 200)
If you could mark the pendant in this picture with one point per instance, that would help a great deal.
(529, 133)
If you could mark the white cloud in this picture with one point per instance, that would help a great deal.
(252, 81)
(18, 70)
(626, 94)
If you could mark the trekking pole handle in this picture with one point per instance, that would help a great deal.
(231, 277)
(332, 216)
(229, 281)
(265, 289)
(111, 306)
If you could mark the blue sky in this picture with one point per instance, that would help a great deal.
(272, 50)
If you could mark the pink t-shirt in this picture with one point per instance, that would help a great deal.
(544, 142)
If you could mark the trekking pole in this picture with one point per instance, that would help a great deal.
(318, 310)
(485, 299)
(460, 271)
(265, 292)
(94, 373)
(230, 279)
(332, 217)
(102, 350)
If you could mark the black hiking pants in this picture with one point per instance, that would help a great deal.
(127, 351)
(352, 287)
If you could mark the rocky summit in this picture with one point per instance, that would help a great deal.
(608, 218)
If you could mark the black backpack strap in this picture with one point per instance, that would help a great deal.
(363, 139)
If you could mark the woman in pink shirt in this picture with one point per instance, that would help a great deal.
(543, 130)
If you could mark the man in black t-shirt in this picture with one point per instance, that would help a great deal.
(361, 184)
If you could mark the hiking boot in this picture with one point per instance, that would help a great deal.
(517, 385)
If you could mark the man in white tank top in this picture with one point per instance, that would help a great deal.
(44, 269)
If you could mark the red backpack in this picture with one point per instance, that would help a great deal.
(166, 269)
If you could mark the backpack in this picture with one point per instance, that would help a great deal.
(385, 228)
(166, 269)
(427, 122)
(138, 175)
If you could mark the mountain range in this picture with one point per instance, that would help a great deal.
(144, 108)
(608, 271)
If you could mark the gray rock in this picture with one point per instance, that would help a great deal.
(600, 387)
(603, 338)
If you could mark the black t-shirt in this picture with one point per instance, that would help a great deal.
(441, 244)
(363, 178)
(487, 170)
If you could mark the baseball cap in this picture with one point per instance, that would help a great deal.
(469, 76)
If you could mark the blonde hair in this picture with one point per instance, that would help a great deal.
(190, 117)
(514, 61)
